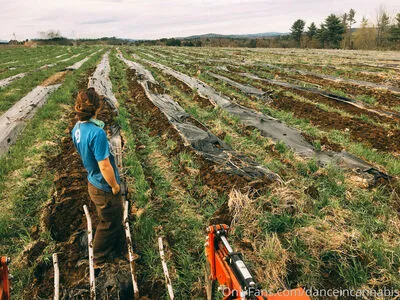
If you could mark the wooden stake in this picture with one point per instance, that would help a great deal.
(130, 250)
(90, 246)
(165, 269)
(56, 277)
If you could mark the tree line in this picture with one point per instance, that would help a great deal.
(337, 32)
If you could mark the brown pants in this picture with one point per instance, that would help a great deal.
(109, 231)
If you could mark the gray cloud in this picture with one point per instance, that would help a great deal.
(168, 18)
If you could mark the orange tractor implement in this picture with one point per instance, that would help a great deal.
(4, 282)
(234, 278)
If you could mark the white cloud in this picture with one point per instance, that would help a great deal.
(158, 18)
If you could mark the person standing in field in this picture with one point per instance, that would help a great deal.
(92, 145)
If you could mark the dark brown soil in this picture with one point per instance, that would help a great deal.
(344, 106)
(360, 131)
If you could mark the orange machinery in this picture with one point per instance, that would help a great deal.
(4, 282)
(234, 278)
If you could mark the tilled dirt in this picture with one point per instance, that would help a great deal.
(63, 217)
(55, 78)
(348, 108)
(360, 131)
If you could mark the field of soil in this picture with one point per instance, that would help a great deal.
(297, 151)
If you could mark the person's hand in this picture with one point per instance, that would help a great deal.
(116, 189)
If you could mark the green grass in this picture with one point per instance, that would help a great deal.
(281, 147)
(42, 56)
(19, 88)
(367, 99)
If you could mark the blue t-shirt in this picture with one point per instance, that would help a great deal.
(92, 145)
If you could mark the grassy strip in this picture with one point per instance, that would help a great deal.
(132, 166)
(22, 57)
(26, 178)
(21, 52)
(33, 63)
(19, 88)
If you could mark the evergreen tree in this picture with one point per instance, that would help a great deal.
(394, 31)
(297, 30)
(331, 32)
(312, 30)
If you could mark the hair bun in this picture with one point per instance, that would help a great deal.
(86, 104)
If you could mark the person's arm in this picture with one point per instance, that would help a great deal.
(101, 152)
(107, 171)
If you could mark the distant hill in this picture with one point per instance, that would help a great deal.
(235, 36)
(3, 42)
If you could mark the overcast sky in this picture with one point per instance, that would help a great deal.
(150, 19)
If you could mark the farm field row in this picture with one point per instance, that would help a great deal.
(15, 89)
(38, 61)
(271, 68)
(197, 153)
(329, 61)
(366, 131)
